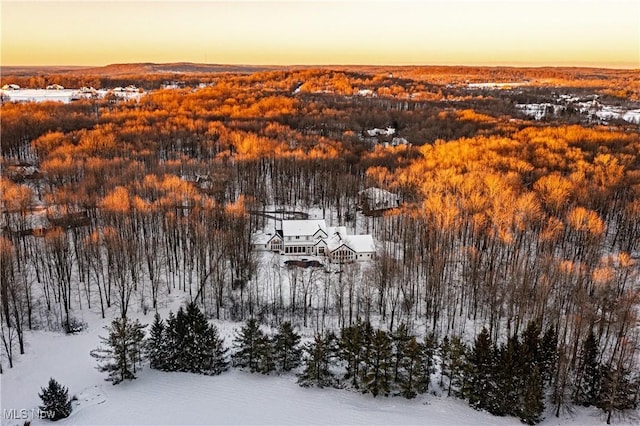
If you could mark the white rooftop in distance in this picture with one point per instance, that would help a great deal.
(302, 227)
(358, 243)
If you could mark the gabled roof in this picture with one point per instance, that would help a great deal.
(357, 243)
(320, 230)
(361, 243)
(262, 238)
(341, 246)
(302, 227)
(320, 242)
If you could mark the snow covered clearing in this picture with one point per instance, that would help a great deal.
(234, 397)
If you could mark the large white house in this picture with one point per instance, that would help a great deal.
(315, 238)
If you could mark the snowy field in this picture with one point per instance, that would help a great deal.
(63, 95)
(235, 397)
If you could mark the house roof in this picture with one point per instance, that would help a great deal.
(379, 198)
(357, 243)
(262, 238)
(302, 227)
(336, 236)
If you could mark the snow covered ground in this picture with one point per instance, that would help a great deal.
(64, 95)
(235, 397)
(592, 110)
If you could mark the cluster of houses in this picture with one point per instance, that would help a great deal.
(315, 238)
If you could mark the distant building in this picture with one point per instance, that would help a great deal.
(376, 200)
(315, 238)
(174, 84)
(10, 87)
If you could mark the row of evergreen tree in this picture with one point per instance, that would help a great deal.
(509, 379)
(609, 387)
(505, 380)
(513, 378)
(373, 360)
(186, 342)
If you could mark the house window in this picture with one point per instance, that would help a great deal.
(343, 256)
(297, 237)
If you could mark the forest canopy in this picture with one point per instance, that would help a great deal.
(504, 220)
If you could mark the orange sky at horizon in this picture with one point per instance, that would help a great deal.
(429, 32)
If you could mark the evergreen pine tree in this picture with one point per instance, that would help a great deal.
(480, 386)
(122, 349)
(415, 373)
(156, 344)
(430, 347)
(445, 362)
(317, 364)
(198, 344)
(618, 392)
(530, 375)
(531, 345)
(533, 398)
(366, 336)
(548, 354)
(350, 344)
(286, 350)
(186, 343)
(252, 348)
(375, 378)
(457, 367)
(181, 338)
(55, 401)
(400, 340)
(266, 355)
(333, 344)
(590, 379)
(136, 343)
(219, 352)
(509, 380)
(171, 344)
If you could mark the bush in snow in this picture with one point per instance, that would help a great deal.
(74, 325)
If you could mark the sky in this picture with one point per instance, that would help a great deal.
(602, 33)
